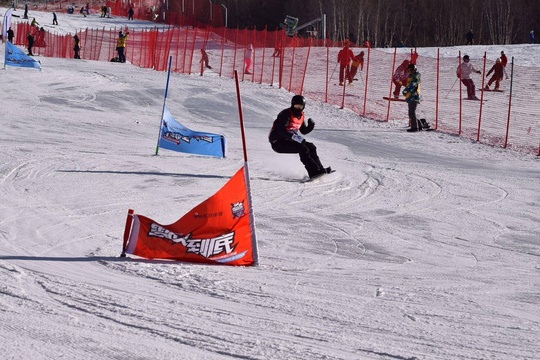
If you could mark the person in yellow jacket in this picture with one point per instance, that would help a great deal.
(121, 46)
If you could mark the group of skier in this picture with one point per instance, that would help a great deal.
(349, 64)
(286, 135)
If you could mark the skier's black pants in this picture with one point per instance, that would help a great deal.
(121, 54)
(306, 150)
(412, 115)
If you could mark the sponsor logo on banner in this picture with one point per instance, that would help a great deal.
(223, 244)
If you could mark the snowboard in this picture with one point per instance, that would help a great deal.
(474, 99)
(393, 99)
(320, 176)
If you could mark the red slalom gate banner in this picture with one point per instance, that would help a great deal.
(217, 231)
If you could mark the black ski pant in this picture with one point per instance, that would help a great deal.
(412, 116)
(121, 54)
(307, 152)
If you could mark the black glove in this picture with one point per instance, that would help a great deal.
(307, 129)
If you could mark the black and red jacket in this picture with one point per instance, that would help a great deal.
(287, 124)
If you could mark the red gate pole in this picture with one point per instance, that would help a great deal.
(510, 106)
(481, 98)
(391, 85)
(127, 230)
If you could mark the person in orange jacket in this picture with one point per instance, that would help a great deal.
(358, 62)
(345, 56)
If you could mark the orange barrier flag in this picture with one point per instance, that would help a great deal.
(218, 231)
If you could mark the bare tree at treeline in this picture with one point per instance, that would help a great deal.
(396, 22)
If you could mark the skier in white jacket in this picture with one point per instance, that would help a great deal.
(463, 72)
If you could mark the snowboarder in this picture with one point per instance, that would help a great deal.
(345, 56)
(10, 35)
(204, 61)
(121, 46)
(30, 39)
(531, 36)
(463, 72)
(498, 71)
(285, 137)
(470, 37)
(412, 96)
(248, 59)
(401, 75)
(54, 19)
(130, 13)
(77, 46)
(358, 62)
(25, 11)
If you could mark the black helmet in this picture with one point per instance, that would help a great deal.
(412, 68)
(298, 99)
(466, 57)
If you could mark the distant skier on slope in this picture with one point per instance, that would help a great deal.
(464, 71)
(498, 72)
(285, 137)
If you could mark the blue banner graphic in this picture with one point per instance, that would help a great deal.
(16, 57)
(177, 137)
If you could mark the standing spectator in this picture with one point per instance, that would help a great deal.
(204, 61)
(277, 49)
(414, 57)
(54, 19)
(34, 22)
(103, 10)
(121, 46)
(531, 36)
(248, 59)
(497, 70)
(470, 37)
(366, 43)
(109, 11)
(357, 62)
(130, 13)
(82, 11)
(412, 97)
(345, 56)
(25, 11)
(77, 46)
(463, 72)
(10, 35)
(30, 39)
(401, 75)
(504, 61)
(286, 137)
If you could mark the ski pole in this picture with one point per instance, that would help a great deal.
(451, 88)
(333, 72)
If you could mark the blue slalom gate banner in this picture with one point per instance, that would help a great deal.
(16, 57)
(176, 137)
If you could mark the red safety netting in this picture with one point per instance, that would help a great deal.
(309, 67)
